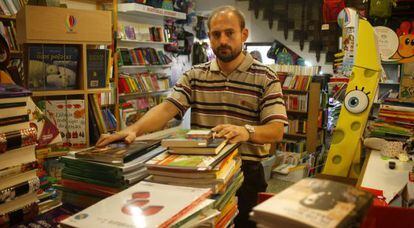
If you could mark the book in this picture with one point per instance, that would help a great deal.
(144, 204)
(53, 66)
(314, 203)
(13, 91)
(97, 66)
(18, 190)
(203, 207)
(212, 148)
(69, 117)
(201, 133)
(16, 179)
(215, 173)
(190, 162)
(118, 153)
(24, 155)
(16, 139)
(23, 214)
(18, 203)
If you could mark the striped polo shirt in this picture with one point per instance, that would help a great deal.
(251, 94)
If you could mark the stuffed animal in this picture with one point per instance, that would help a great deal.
(60, 77)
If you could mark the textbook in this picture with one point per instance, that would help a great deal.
(118, 153)
(190, 162)
(213, 147)
(142, 205)
(314, 202)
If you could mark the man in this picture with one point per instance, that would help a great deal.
(236, 96)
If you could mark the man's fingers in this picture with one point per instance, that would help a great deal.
(129, 139)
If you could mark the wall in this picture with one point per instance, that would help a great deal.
(260, 31)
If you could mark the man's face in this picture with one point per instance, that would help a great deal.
(226, 36)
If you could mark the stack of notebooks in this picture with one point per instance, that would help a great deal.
(19, 183)
(149, 204)
(90, 175)
(395, 122)
(195, 159)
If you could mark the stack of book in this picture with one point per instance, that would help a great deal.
(394, 122)
(314, 203)
(297, 82)
(19, 183)
(11, 7)
(149, 204)
(195, 159)
(142, 83)
(142, 56)
(95, 173)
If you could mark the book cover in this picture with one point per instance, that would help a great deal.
(144, 205)
(19, 190)
(191, 162)
(69, 117)
(16, 139)
(53, 67)
(118, 153)
(97, 66)
(12, 91)
(314, 202)
(212, 148)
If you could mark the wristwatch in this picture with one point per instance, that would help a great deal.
(250, 129)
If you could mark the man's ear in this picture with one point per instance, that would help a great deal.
(245, 34)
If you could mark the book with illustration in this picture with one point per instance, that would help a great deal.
(314, 202)
(142, 205)
(118, 153)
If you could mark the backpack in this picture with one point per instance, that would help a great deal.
(182, 44)
(200, 28)
(199, 54)
(380, 8)
(331, 9)
(154, 3)
(181, 6)
(284, 58)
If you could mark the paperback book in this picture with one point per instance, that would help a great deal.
(142, 205)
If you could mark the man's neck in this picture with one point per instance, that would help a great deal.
(228, 67)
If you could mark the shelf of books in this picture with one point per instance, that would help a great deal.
(142, 67)
(68, 70)
(141, 10)
(303, 100)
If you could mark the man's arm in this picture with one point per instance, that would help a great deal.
(155, 119)
(267, 133)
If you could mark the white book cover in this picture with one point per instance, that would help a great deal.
(69, 117)
(142, 205)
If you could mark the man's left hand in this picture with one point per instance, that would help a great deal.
(233, 133)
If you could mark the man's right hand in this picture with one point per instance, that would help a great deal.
(127, 135)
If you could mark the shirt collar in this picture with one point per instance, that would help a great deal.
(243, 67)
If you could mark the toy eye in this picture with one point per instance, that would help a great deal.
(412, 42)
(407, 41)
(356, 101)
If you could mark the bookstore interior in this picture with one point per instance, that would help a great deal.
(195, 113)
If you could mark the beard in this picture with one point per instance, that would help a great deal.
(226, 54)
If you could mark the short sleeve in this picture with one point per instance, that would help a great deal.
(181, 94)
(272, 105)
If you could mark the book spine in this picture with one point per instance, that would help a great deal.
(15, 139)
(15, 191)
(12, 170)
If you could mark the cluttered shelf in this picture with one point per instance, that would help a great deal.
(141, 10)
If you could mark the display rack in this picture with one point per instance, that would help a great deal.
(48, 25)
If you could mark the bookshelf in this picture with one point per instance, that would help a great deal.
(140, 28)
(92, 29)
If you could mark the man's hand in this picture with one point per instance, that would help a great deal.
(233, 133)
(127, 135)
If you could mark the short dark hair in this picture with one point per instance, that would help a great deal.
(227, 8)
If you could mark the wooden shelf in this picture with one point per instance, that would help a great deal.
(143, 94)
(143, 66)
(48, 93)
(143, 42)
(98, 90)
(141, 10)
(8, 17)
